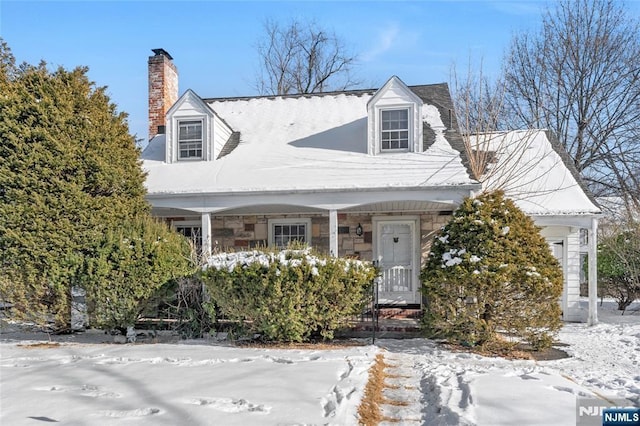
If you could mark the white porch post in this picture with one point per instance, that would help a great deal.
(333, 233)
(593, 272)
(206, 235)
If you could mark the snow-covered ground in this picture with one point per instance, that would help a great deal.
(80, 382)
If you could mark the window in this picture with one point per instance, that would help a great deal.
(193, 232)
(285, 231)
(394, 129)
(190, 139)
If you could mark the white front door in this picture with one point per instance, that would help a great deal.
(396, 253)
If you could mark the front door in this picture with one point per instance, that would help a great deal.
(396, 254)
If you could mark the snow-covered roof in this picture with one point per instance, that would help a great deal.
(319, 143)
(315, 142)
(530, 168)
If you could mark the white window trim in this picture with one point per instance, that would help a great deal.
(408, 129)
(410, 108)
(202, 120)
(288, 221)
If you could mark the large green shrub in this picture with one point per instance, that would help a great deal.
(292, 295)
(129, 266)
(69, 173)
(490, 272)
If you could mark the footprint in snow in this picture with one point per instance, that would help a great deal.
(84, 390)
(121, 414)
(570, 390)
(279, 360)
(230, 405)
(528, 377)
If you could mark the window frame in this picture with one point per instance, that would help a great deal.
(175, 224)
(407, 129)
(179, 123)
(272, 223)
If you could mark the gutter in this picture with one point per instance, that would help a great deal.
(470, 187)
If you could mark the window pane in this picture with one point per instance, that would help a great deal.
(191, 232)
(283, 234)
(190, 139)
(190, 130)
(395, 129)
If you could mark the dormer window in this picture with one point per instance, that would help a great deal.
(394, 120)
(394, 129)
(195, 132)
(190, 139)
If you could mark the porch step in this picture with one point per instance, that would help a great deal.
(399, 313)
(406, 328)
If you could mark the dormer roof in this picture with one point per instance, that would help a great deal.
(394, 82)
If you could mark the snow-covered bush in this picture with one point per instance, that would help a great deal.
(291, 295)
(490, 272)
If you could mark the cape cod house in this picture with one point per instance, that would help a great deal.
(371, 174)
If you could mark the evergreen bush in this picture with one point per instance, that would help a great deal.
(491, 274)
(619, 265)
(291, 295)
(69, 173)
(130, 265)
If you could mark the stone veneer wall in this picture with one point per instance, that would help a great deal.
(243, 232)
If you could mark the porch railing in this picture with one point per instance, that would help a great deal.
(397, 278)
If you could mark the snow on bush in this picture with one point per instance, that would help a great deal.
(288, 295)
(491, 271)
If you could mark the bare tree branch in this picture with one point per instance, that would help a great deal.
(580, 77)
(302, 58)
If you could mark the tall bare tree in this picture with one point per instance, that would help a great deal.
(302, 58)
(479, 105)
(499, 156)
(579, 76)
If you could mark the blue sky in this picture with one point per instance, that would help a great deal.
(213, 42)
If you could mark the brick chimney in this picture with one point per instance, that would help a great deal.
(163, 89)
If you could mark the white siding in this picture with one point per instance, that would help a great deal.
(221, 133)
(394, 95)
(570, 239)
(572, 310)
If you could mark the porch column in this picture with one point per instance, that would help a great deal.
(206, 235)
(593, 272)
(333, 233)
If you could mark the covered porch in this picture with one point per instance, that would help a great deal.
(393, 228)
